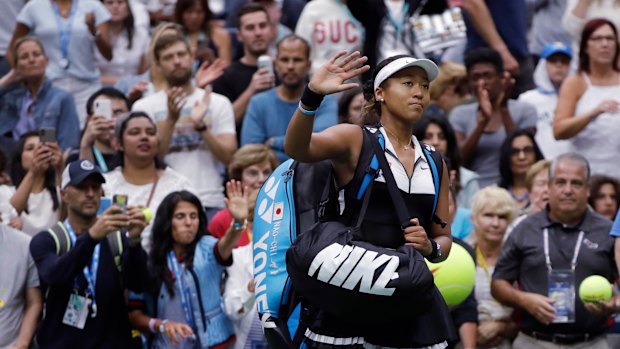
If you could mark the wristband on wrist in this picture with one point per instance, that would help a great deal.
(311, 99)
(306, 111)
(152, 322)
(239, 226)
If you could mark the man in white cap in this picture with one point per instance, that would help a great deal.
(80, 266)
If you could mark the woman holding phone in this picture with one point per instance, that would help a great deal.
(144, 178)
(35, 171)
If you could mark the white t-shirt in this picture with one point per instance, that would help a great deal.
(169, 182)
(329, 27)
(40, 215)
(38, 15)
(188, 154)
(125, 61)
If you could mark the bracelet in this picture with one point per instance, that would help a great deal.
(162, 329)
(306, 111)
(152, 322)
(311, 99)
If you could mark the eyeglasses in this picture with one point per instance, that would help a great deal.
(528, 150)
(600, 39)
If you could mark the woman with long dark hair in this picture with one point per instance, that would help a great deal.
(129, 44)
(186, 266)
(588, 104)
(436, 130)
(208, 41)
(35, 170)
(604, 195)
(517, 155)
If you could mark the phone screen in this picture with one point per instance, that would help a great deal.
(121, 201)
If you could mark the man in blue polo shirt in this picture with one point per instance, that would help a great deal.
(269, 112)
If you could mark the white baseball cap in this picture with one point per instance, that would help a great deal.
(399, 64)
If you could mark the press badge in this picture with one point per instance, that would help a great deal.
(562, 291)
(77, 311)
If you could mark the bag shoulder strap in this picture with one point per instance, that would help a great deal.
(378, 143)
(435, 161)
(61, 238)
(115, 241)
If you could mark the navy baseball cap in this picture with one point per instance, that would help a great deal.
(77, 171)
(556, 47)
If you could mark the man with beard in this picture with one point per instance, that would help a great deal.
(243, 79)
(84, 287)
(196, 127)
(96, 143)
(269, 112)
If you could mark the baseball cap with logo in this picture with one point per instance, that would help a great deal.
(77, 171)
(399, 64)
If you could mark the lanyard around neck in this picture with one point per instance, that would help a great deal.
(64, 30)
(399, 24)
(100, 160)
(573, 263)
(182, 289)
(90, 274)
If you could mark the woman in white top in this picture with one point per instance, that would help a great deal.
(587, 111)
(578, 12)
(129, 44)
(142, 177)
(34, 170)
(492, 211)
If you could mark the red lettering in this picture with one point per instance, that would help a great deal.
(319, 32)
(350, 32)
(334, 31)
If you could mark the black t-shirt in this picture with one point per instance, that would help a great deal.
(235, 80)
(523, 259)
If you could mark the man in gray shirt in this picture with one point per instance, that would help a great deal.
(549, 254)
(20, 298)
(481, 127)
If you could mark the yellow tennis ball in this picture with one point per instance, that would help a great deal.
(454, 277)
(148, 214)
(595, 288)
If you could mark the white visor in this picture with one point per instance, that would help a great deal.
(393, 67)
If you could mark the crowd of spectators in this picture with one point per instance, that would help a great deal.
(182, 107)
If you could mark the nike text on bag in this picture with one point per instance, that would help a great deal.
(291, 202)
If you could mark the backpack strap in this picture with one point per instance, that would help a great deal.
(371, 171)
(61, 238)
(435, 161)
(115, 241)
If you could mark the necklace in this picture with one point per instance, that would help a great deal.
(405, 146)
(517, 198)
